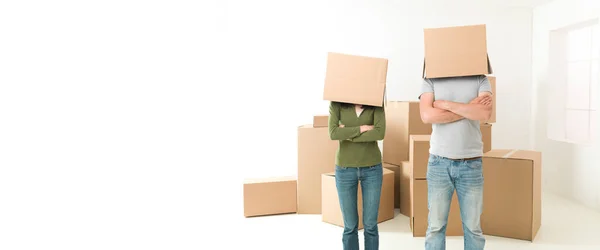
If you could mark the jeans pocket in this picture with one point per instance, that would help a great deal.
(475, 164)
(433, 159)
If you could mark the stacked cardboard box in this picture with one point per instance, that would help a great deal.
(512, 193)
(316, 156)
(269, 196)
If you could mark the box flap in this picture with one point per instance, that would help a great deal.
(513, 154)
(270, 179)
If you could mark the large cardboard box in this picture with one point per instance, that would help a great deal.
(456, 51)
(269, 196)
(402, 120)
(397, 176)
(320, 121)
(316, 156)
(512, 204)
(355, 79)
(492, 80)
(331, 210)
(420, 211)
(486, 136)
(419, 155)
(405, 196)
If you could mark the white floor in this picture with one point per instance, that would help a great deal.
(565, 225)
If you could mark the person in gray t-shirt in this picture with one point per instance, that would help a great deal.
(455, 106)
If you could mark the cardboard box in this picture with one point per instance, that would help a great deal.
(397, 176)
(456, 51)
(492, 80)
(486, 136)
(320, 121)
(402, 120)
(405, 179)
(269, 196)
(316, 156)
(512, 191)
(419, 155)
(419, 218)
(355, 79)
(331, 209)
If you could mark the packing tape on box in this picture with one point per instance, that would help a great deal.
(510, 153)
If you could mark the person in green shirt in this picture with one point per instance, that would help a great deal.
(358, 160)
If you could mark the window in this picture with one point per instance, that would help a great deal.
(573, 93)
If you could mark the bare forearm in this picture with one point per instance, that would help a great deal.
(471, 111)
(437, 116)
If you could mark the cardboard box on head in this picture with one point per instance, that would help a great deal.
(456, 51)
(355, 79)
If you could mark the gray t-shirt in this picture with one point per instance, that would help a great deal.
(460, 139)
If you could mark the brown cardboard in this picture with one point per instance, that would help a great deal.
(355, 79)
(405, 179)
(456, 51)
(418, 222)
(320, 121)
(397, 176)
(486, 136)
(402, 120)
(332, 213)
(419, 155)
(269, 196)
(512, 193)
(316, 156)
(492, 80)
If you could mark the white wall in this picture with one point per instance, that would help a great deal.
(568, 169)
(281, 46)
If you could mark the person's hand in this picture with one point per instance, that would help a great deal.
(441, 104)
(365, 128)
(484, 100)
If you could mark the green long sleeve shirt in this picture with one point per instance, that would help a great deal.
(356, 149)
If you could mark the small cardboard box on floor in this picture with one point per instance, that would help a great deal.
(316, 156)
(512, 202)
(355, 79)
(456, 51)
(405, 190)
(397, 177)
(402, 120)
(332, 213)
(269, 196)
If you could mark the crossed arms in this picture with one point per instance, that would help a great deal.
(440, 111)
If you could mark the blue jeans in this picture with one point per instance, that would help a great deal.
(443, 177)
(346, 181)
